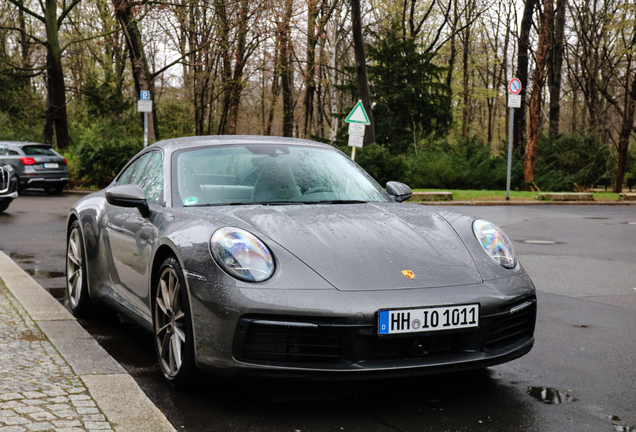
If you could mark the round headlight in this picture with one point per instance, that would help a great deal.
(495, 242)
(242, 254)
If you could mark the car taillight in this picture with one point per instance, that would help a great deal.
(27, 161)
(65, 163)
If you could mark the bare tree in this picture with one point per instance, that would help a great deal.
(361, 64)
(519, 128)
(287, 72)
(56, 116)
(555, 65)
(547, 16)
(139, 63)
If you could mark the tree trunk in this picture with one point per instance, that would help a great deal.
(226, 69)
(310, 82)
(334, 39)
(465, 85)
(56, 89)
(141, 72)
(24, 47)
(287, 72)
(626, 131)
(237, 84)
(519, 128)
(537, 87)
(275, 79)
(555, 65)
(361, 63)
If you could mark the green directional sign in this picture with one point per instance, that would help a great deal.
(358, 115)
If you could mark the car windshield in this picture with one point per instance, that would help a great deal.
(269, 174)
(34, 150)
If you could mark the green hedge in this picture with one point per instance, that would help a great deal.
(564, 163)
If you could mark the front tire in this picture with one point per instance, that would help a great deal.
(174, 342)
(76, 277)
(4, 205)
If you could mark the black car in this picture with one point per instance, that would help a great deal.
(8, 186)
(36, 165)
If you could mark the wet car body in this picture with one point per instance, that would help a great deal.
(8, 186)
(36, 165)
(338, 267)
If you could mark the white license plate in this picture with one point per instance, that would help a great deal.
(428, 319)
(51, 165)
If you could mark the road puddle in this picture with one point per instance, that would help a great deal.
(540, 242)
(550, 396)
(45, 274)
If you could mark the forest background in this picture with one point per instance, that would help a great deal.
(433, 75)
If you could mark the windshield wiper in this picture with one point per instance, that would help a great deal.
(340, 201)
(279, 203)
(219, 204)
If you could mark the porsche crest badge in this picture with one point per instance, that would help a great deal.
(409, 274)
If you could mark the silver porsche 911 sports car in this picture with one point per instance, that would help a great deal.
(274, 256)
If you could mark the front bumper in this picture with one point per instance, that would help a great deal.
(333, 335)
(11, 196)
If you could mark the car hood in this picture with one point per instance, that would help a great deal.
(366, 246)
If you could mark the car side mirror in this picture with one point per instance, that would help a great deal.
(128, 195)
(398, 191)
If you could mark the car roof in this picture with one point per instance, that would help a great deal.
(23, 143)
(204, 141)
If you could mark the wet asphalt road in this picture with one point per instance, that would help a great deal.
(580, 376)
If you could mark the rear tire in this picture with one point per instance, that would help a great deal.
(54, 190)
(76, 277)
(172, 323)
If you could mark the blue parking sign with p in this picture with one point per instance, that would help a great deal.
(145, 95)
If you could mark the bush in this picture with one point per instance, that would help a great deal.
(564, 163)
(467, 164)
(102, 153)
(570, 160)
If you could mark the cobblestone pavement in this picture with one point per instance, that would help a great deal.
(38, 390)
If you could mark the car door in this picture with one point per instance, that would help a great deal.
(131, 236)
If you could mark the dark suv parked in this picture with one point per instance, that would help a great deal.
(8, 186)
(36, 165)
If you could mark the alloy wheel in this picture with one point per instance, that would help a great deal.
(169, 322)
(74, 268)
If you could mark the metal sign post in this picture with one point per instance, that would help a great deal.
(514, 101)
(358, 121)
(144, 105)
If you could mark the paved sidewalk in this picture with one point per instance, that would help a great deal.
(38, 389)
(53, 375)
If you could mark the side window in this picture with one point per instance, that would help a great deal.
(148, 175)
(126, 176)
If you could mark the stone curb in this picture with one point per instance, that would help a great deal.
(115, 392)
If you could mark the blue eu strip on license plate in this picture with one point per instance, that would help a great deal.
(428, 319)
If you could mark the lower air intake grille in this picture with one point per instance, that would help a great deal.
(510, 328)
(282, 344)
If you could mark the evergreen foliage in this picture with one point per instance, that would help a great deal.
(411, 102)
(564, 163)
(569, 161)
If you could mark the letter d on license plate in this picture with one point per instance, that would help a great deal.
(428, 319)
